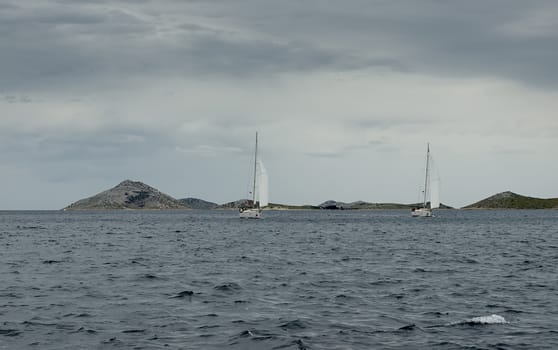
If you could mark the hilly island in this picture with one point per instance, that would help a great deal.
(510, 200)
(128, 195)
(136, 195)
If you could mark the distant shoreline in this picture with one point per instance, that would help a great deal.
(265, 209)
(273, 209)
(135, 195)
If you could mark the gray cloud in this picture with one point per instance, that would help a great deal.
(86, 146)
(16, 99)
(385, 122)
(100, 90)
(81, 42)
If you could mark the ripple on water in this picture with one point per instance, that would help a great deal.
(481, 321)
(134, 331)
(228, 287)
(296, 280)
(253, 335)
(294, 325)
(9, 332)
(184, 294)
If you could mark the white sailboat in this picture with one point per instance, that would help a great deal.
(431, 198)
(260, 194)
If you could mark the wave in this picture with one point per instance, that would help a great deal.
(31, 227)
(483, 320)
(252, 334)
(295, 324)
(9, 332)
(475, 321)
(134, 331)
(184, 294)
(409, 327)
(52, 261)
(228, 287)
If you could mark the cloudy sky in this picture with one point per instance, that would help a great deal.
(345, 96)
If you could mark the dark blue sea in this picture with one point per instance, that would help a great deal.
(293, 280)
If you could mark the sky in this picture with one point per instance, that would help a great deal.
(345, 96)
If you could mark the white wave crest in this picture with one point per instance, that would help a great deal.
(492, 319)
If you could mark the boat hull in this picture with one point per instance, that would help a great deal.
(421, 212)
(250, 213)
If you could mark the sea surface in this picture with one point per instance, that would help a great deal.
(293, 280)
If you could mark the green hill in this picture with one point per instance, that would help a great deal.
(510, 200)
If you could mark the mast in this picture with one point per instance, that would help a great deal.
(255, 162)
(426, 174)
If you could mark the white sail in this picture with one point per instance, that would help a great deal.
(262, 185)
(431, 192)
(434, 194)
(260, 195)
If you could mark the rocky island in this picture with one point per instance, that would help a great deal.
(136, 195)
(128, 195)
(195, 203)
(510, 200)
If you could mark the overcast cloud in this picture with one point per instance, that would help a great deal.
(345, 96)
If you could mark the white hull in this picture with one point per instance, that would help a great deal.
(422, 212)
(251, 213)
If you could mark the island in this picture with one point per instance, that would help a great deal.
(511, 200)
(137, 195)
(128, 195)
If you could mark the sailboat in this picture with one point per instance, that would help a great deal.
(259, 189)
(431, 196)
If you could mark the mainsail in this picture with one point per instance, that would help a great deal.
(434, 194)
(431, 192)
(262, 188)
(434, 186)
(260, 195)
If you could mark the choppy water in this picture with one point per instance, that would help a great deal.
(294, 280)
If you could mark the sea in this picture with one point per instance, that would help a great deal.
(378, 279)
